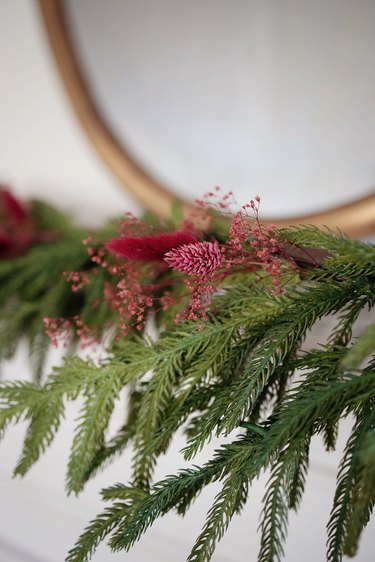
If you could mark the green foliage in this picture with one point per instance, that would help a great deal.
(174, 489)
(354, 495)
(347, 257)
(52, 219)
(32, 287)
(285, 489)
(244, 375)
(363, 347)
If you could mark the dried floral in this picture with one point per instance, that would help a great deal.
(201, 258)
(245, 377)
(146, 264)
(16, 232)
(19, 228)
(149, 248)
(10, 207)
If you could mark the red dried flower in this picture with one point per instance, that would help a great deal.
(201, 258)
(6, 244)
(15, 227)
(149, 248)
(10, 207)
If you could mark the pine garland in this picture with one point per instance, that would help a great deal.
(239, 368)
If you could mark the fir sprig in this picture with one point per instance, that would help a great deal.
(242, 370)
(32, 287)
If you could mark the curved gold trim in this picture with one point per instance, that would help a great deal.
(149, 192)
(356, 219)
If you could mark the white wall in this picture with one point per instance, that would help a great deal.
(43, 151)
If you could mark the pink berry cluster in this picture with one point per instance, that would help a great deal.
(77, 279)
(252, 244)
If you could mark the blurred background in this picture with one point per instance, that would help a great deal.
(44, 152)
(298, 128)
(263, 97)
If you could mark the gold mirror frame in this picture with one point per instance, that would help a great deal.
(357, 219)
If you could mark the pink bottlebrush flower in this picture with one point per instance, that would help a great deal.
(201, 258)
(149, 248)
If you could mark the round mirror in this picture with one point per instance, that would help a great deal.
(261, 98)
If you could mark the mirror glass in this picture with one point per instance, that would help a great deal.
(270, 98)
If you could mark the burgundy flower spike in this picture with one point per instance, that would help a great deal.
(10, 207)
(149, 248)
(15, 227)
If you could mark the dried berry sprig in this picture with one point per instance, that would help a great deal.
(146, 263)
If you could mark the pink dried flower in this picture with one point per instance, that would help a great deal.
(78, 279)
(149, 248)
(140, 284)
(58, 330)
(201, 258)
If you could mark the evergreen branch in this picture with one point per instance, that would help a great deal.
(335, 242)
(101, 394)
(106, 522)
(176, 414)
(218, 518)
(293, 421)
(52, 219)
(44, 406)
(45, 421)
(323, 365)
(342, 509)
(39, 345)
(117, 444)
(32, 287)
(362, 348)
(209, 353)
(363, 494)
(274, 390)
(342, 333)
(17, 400)
(169, 492)
(309, 407)
(97, 530)
(122, 492)
(285, 489)
(166, 493)
(300, 313)
(99, 403)
(152, 409)
(232, 374)
(280, 340)
(106, 453)
(299, 474)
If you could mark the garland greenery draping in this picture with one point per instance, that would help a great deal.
(232, 305)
